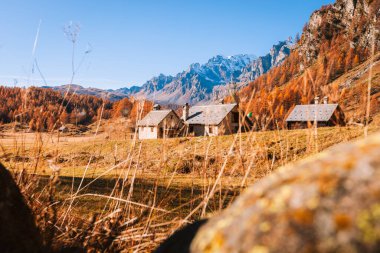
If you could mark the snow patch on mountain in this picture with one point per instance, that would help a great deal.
(205, 83)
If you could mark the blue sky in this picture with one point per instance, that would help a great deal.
(132, 41)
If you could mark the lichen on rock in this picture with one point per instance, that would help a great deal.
(328, 203)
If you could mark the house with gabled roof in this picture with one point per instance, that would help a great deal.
(203, 120)
(211, 120)
(324, 114)
(159, 124)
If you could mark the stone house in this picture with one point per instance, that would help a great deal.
(324, 114)
(211, 120)
(159, 124)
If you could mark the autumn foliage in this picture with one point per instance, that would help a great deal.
(44, 109)
(323, 53)
(299, 79)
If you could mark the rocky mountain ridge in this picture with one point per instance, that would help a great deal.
(202, 84)
(194, 84)
(340, 40)
(274, 58)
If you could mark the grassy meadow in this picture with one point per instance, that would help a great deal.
(144, 190)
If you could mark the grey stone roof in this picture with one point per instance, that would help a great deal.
(308, 112)
(209, 114)
(154, 118)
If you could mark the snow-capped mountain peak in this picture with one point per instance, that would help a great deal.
(199, 82)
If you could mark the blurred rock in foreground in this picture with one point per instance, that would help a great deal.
(18, 232)
(329, 203)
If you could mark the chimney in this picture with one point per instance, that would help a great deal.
(185, 112)
(325, 100)
(156, 107)
(316, 100)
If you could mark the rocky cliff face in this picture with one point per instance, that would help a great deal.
(356, 20)
(194, 84)
(200, 83)
(256, 68)
(155, 84)
(212, 80)
(338, 39)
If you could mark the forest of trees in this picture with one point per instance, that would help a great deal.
(297, 81)
(44, 109)
(270, 98)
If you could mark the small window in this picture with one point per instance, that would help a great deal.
(152, 129)
(210, 130)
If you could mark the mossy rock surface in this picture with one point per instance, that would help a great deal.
(328, 203)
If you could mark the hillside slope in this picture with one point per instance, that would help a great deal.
(354, 86)
(337, 39)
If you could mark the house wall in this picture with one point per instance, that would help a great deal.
(170, 126)
(304, 125)
(201, 130)
(172, 121)
(291, 125)
(337, 119)
(230, 124)
(147, 132)
(211, 130)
